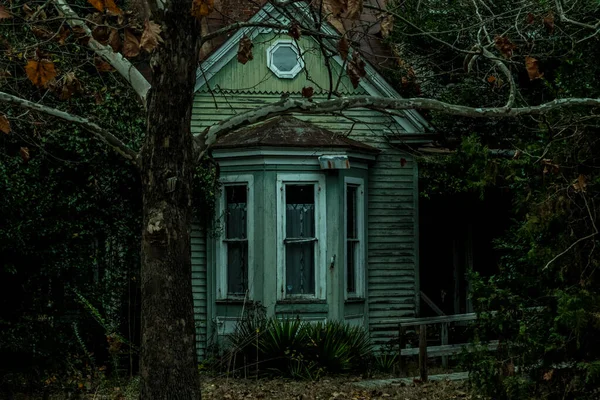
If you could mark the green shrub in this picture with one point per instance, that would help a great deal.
(386, 361)
(295, 348)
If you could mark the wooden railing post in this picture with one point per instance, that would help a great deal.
(401, 344)
(444, 335)
(423, 352)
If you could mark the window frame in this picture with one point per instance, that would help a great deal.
(221, 253)
(320, 233)
(291, 74)
(360, 270)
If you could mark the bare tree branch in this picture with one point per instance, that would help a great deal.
(302, 106)
(563, 17)
(102, 134)
(238, 25)
(131, 74)
(511, 81)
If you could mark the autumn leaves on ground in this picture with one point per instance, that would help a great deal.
(329, 389)
(342, 388)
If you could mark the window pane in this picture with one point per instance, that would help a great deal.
(300, 268)
(351, 259)
(236, 208)
(300, 211)
(351, 229)
(237, 267)
(284, 58)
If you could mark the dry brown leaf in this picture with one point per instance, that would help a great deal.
(532, 68)
(491, 79)
(131, 45)
(114, 40)
(505, 46)
(244, 53)
(295, 30)
(41, 32)
(28, 11)
(355, 69)
(343, 47)
(81, 35)
(70, 86)
(109, 5)
(386, 26)
(549, 166)
(24, 152)
(548, 375)
(530, 18)
(308, 92)
(63, 34)
(151, 36)
(201, 8)
(580, 185)
(4, 14)
(4, 124)
(335, 7)
(41, 72)
(548, 21)
(101, 65)
(355, 9)
(100, 33)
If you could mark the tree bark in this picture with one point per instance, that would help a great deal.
(168, 365)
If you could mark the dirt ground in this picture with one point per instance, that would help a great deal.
(327, 389)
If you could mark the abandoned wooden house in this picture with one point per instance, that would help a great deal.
(318, 214)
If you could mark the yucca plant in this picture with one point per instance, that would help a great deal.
(386, 361)
(338, 346)
(300, 349)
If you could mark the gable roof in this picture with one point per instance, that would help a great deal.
(373, 83)
(289, 132)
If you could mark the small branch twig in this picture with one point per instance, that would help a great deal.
(591, 235)
(102, 134)
(131, 74)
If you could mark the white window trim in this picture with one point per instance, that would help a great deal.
(291, 74)
(360, 228)
(221, 253)
(320, 231)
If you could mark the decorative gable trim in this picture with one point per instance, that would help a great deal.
(373, 83)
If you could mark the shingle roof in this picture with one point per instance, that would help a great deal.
(289, 132)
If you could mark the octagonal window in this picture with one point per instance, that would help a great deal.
(284, 59)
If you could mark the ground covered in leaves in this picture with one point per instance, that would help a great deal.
(327, 389)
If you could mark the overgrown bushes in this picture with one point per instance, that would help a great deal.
(296, 348)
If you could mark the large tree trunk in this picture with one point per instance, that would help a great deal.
(168, 346)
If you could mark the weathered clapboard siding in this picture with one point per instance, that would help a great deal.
(199, 287)
(209, 110)
(392, 246)
(256, 77)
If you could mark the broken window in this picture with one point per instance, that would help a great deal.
(300, 239)
(236, 238)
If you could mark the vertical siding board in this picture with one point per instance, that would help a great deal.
(199, 287)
